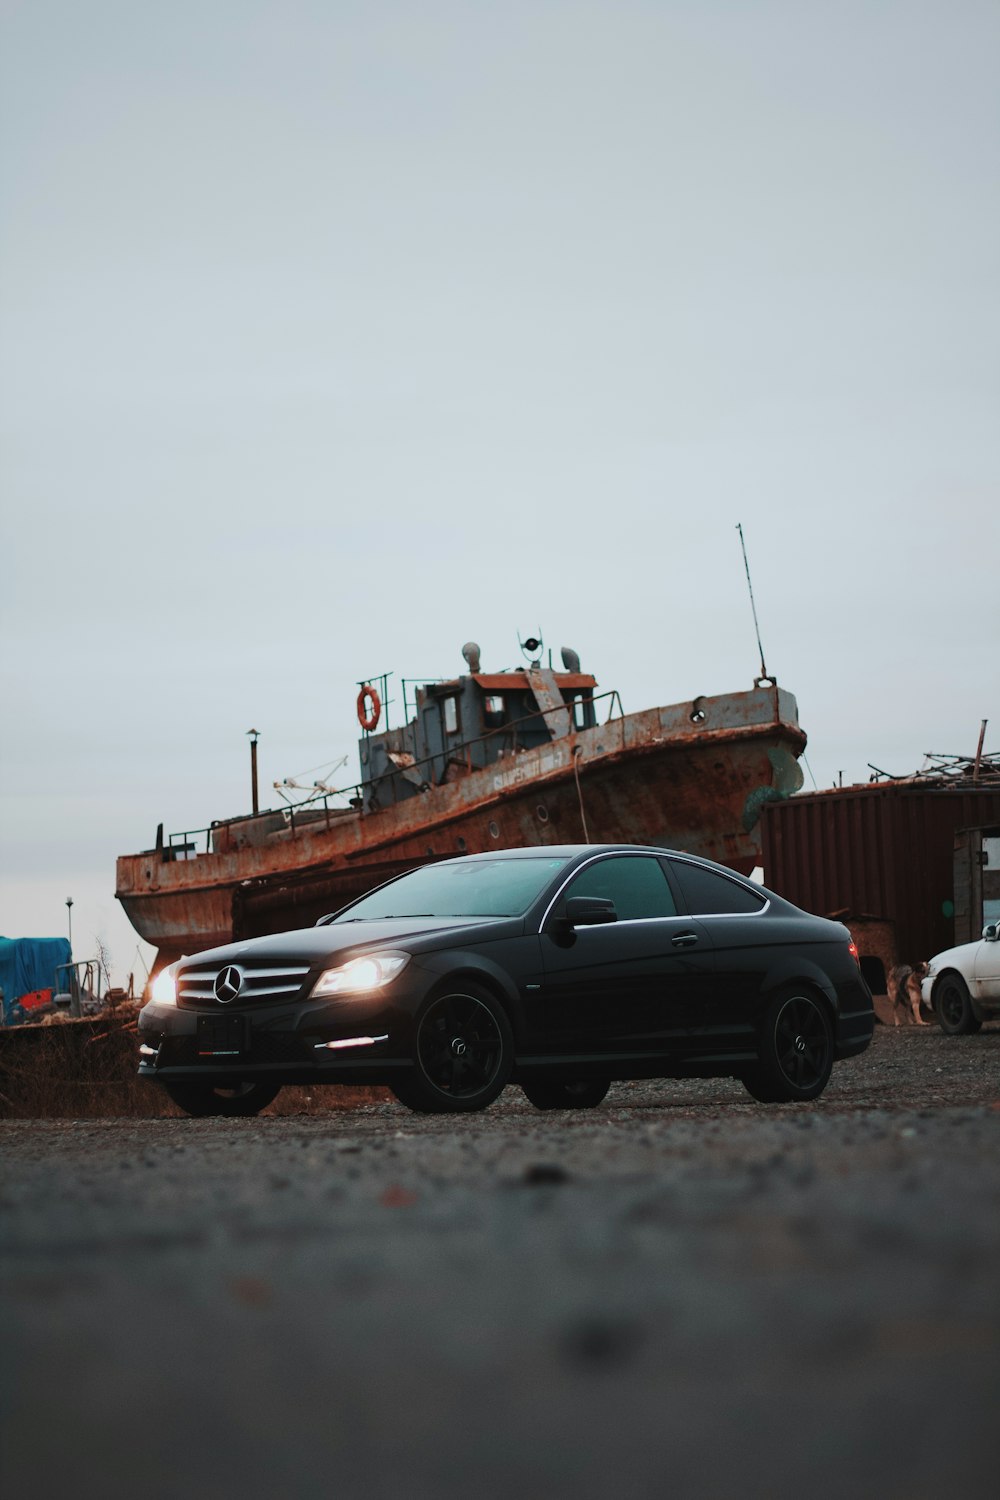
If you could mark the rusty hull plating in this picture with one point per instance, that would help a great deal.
(692, 776)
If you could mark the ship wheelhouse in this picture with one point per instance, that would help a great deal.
(469, 723)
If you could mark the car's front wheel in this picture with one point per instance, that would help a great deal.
(795, 1050)
(953, 1006)
(463, 1052)
(204, 1099)
(571, 1093)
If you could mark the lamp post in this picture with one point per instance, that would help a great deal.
(254, 736)
(69, 918)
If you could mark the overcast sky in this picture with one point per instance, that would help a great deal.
(335, 334)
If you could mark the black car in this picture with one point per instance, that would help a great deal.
(557, 968)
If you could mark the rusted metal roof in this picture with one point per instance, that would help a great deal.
(508, 682)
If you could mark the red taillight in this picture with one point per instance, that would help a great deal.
(852, 949)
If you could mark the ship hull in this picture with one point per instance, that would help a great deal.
(690, 777)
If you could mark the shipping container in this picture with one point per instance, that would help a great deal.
(879, 853)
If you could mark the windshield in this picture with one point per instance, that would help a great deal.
(479, 888)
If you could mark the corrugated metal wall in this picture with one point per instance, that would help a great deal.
(883, 850)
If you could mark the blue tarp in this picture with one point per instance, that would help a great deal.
(28, 964)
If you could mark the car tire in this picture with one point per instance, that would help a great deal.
(463, 1053)
(795, 1055)
(953, 1006)
(205, 1099)
(567, 1093)
(758, 1089)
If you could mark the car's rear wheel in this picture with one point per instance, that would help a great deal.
(795, 1050)
(953, 1006)
(463, 1052)
(569, 1093)
(203, 1099)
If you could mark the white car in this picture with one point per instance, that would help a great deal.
(962, 985)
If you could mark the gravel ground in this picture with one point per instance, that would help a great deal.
(680, 1292)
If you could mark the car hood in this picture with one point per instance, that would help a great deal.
(312, 945)
(963, 957)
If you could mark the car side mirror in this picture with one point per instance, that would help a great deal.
(991, 932)
(589, 911)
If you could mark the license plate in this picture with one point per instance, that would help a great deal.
(222, 1036)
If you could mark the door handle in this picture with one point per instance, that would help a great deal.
(684, 940)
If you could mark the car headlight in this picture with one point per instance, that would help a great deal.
(370, 971)
(164, 988)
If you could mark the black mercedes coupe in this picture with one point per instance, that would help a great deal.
(558, 968)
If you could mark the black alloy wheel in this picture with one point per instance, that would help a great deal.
(205, 1099)
(568, 1093)
(796, 1050)
(953, 1006)
(463, 1053)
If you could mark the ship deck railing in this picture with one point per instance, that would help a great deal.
(317, 807)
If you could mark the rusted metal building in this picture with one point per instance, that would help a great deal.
(880, 856)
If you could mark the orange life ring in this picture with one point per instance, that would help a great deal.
(369, 707)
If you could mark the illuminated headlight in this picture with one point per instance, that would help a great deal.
(368, 972)
(164, 988)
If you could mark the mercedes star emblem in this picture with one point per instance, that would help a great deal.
(228, 983)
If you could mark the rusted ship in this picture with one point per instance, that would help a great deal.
(488, 761)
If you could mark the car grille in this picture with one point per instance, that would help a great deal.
(196, 987)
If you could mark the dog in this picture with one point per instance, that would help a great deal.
(903, 988)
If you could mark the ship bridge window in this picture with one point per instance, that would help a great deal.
(451, 715)
(494, 713)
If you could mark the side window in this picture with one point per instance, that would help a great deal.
(451, 715)
(634, 882)
(708, 894)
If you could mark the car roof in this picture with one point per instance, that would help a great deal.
(575, 851)
(565, 851)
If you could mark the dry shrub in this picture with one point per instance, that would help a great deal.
(76, 1069)
(86, 1070)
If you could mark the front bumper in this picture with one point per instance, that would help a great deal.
(339, 1041)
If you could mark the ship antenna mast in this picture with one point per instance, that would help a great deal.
(765, 678)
